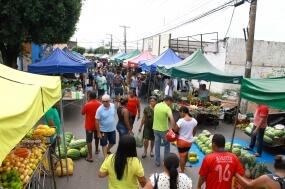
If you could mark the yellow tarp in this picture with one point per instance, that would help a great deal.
(24, 98)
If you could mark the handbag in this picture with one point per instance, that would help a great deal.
(171, 136)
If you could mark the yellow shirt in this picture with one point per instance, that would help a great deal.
(133, 170)
(161, 114)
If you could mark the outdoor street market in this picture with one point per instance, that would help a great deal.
(195, 105)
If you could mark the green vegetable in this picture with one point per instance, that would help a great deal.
(74, 154)
(83, 151)
(267, 139)
(77, 144)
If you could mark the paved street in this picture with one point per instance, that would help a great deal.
(85, 173)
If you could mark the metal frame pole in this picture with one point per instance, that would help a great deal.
(236, 120)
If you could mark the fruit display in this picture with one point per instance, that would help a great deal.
(272, 134)
(242, 126)
(11, 180)
(192, 157)
(44, 130)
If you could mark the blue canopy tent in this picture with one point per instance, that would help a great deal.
(78, 58)
(57, 63)
(168, 57)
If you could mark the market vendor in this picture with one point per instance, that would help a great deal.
(203, 93)
(52, 119)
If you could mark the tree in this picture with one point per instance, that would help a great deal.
(38, 21)
(90, 50)
(101, 50)
(80, 50)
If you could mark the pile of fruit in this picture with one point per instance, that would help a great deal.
(69, 167)
(44, 130)
(271, 133)
(242, 126)
(75, 148)
(252, 168)
(11, 180)
(192, 157)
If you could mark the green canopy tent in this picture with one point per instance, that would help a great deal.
(198, 67)
(270, 92)
(127, 56)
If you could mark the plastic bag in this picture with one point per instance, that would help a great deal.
(139, 139)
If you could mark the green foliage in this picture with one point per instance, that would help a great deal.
(101, 50)
(80, 50)
(90, 50)
(39, 21)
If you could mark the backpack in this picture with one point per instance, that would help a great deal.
(278, 179)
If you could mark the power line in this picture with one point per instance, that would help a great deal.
(230, 22)
(221, 7)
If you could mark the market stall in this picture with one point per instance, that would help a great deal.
(270, 92)
(130, 55)
(134, 62)
(196, 66)
(18, 117)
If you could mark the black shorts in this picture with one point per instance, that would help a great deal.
(183, 150)
(90, 135)
(108, 137)
(101, 92)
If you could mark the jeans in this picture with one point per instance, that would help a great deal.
(259, 137)
(160, 135)
(122, 129)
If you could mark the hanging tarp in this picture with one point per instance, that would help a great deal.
(134, 62)
(168, 57)
(24, 99)
(270, 92)
(57, 63)
(198, 67)
(127, 56)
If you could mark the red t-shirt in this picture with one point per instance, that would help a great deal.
(89, 110)
(132, 106)
(261, 113)
(218, 168)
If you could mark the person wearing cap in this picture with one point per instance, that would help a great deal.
(162, 112)
(105, 124)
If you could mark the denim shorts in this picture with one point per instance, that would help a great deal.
(108, 137)
(122, 129)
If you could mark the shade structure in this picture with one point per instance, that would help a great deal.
(134, 63)
(78, 58)
(270, 92)
(24, 99)
(104, 56)
(118, 55)
(57, 63)
(168, 57)
(127, 56)
(198, 67)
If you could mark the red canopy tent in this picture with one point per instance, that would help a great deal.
(134, 63)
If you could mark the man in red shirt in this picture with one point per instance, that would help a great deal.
(260, 123)
(133, 106)
(89, 110)
(219, 167)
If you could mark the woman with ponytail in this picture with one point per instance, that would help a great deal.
(170, 178)
(123, 168)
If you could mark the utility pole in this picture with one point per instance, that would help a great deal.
(125, 36)
(249, 47)
(111, 45)
(250, 41)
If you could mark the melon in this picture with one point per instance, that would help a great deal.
(236, 151)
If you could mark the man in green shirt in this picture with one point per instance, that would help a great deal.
(162, 112)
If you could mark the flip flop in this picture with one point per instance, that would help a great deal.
(151, 155)
(144, 156)
(97, 152)
(109, 152)
(89, 160)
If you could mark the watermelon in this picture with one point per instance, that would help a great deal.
(208, 151)
(248, 130)
(237, 146)
(207, 142)
(83, 151)
(236, 151)
(278, 133)
(74, 154)
(270, 134)
(77, 144)
(267, 139)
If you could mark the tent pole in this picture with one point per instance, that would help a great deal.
(236, 120)
(63, 137)
(210, 85)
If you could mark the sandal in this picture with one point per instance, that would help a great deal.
(109, 152)
(97, 152)
(144, 156)
(89, 160)
(151, 154)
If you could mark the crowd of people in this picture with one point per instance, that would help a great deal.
(113, 107)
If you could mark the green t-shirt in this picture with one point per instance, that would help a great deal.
(52, 114)
(161, 114)
(101, 82)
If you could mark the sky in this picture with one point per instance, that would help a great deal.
(147, 17)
